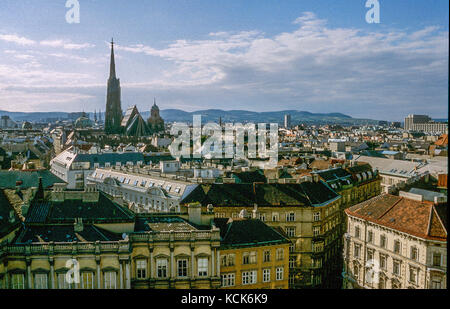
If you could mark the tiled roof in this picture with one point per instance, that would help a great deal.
(421, 219)
(276, 194)
(247, 232)
(103, 210)
(5, 208)
(112, 158)
(29, 179)
(249, 177)
(442, 141)
(65, 233)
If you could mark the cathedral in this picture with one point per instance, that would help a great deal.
(132, 124)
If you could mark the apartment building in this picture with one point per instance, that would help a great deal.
(394, 242)
(252, 254)
(309, 213)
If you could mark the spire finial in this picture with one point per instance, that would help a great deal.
(112, 67)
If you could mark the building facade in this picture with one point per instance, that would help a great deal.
(424, 123)
(395, 242)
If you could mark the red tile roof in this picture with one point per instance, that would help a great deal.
(442, 141)
(421, 219)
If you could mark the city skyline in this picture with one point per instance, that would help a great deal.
(302, 57)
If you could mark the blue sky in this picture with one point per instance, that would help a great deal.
(319, 56)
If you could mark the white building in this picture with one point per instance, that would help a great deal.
(74, 167)
(395, 174)
(394, 242)
(142, 192)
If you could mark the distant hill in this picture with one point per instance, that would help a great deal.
(171, 115)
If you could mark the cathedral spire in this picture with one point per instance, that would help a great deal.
(112, 67)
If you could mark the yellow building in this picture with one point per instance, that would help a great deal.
(308, 213)
(101, 245)
(253, 255)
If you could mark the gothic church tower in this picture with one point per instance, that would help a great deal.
(113, 114)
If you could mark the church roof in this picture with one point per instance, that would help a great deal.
(137, 127)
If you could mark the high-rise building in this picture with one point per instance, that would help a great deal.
(424, 123)
(113, 114)
(287, 121)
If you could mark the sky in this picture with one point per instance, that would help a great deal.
(259, 55)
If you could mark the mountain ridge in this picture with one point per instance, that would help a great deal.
(178, 115)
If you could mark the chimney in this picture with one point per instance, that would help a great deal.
(255, 211)
(195, 213)
(440, 200)
(12, 216)
(78, 225)
(315, 178)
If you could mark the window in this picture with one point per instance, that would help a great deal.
(110, 280)
(414, 253)
(280, 254)
(182, 268)
(370, 237)
(357, 251)
(266, 256)
(246, 258)
(18, 281)
(290, 231)
(396, 268)
(381, 283)
(316, 230)
(396, 246)
(412, 274)
(262, 217)
(291, 280)
(280, 271)
(249, 277)
(228, 260)
(436, 259)
(62, 282)
(436, 284)
(357, 231)
(202, 267)
(275, 217)
(292, 262)
(290, 217)
(316, 216)
(141, 269)
(266, 275)
(291, 248)
(253, 257)
(87, 280)
(228, 280)
(369, 254)
(356, 271)
(161, 267)
(40, 281)
(383, 261)
(382, 241)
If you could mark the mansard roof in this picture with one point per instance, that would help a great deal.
(307, 194)
(240, 232)
(102, 210)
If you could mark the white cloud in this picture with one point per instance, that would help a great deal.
(65, 44)
(13, 38)
(313, 67)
